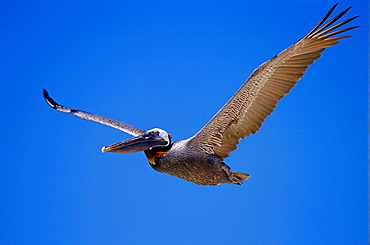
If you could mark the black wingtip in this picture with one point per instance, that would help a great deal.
(49, 100)
(45, 93)
(333, 7)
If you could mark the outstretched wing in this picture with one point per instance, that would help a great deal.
(92, 117)
(244, 113)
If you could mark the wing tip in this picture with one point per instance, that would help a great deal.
(49, 100)
(325, 26)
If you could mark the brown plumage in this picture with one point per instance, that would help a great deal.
(256, 99)
(199, 159)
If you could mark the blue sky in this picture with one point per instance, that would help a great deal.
(173, 64)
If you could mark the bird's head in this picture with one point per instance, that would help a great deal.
(155, 137)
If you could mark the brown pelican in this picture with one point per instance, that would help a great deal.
(199, 159)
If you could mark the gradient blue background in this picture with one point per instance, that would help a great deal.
(173, 64)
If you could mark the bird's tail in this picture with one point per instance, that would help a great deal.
(241, 176)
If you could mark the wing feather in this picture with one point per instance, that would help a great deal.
(256, 99)
(92, 117)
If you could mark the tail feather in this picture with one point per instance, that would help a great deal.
(241, 176)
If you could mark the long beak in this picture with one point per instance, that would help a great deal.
(136, 144)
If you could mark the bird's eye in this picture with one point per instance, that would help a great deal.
(154, 133)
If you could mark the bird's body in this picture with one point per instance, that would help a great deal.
(199, 159)
(189, 163)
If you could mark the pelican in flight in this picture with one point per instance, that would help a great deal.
(200, 159)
